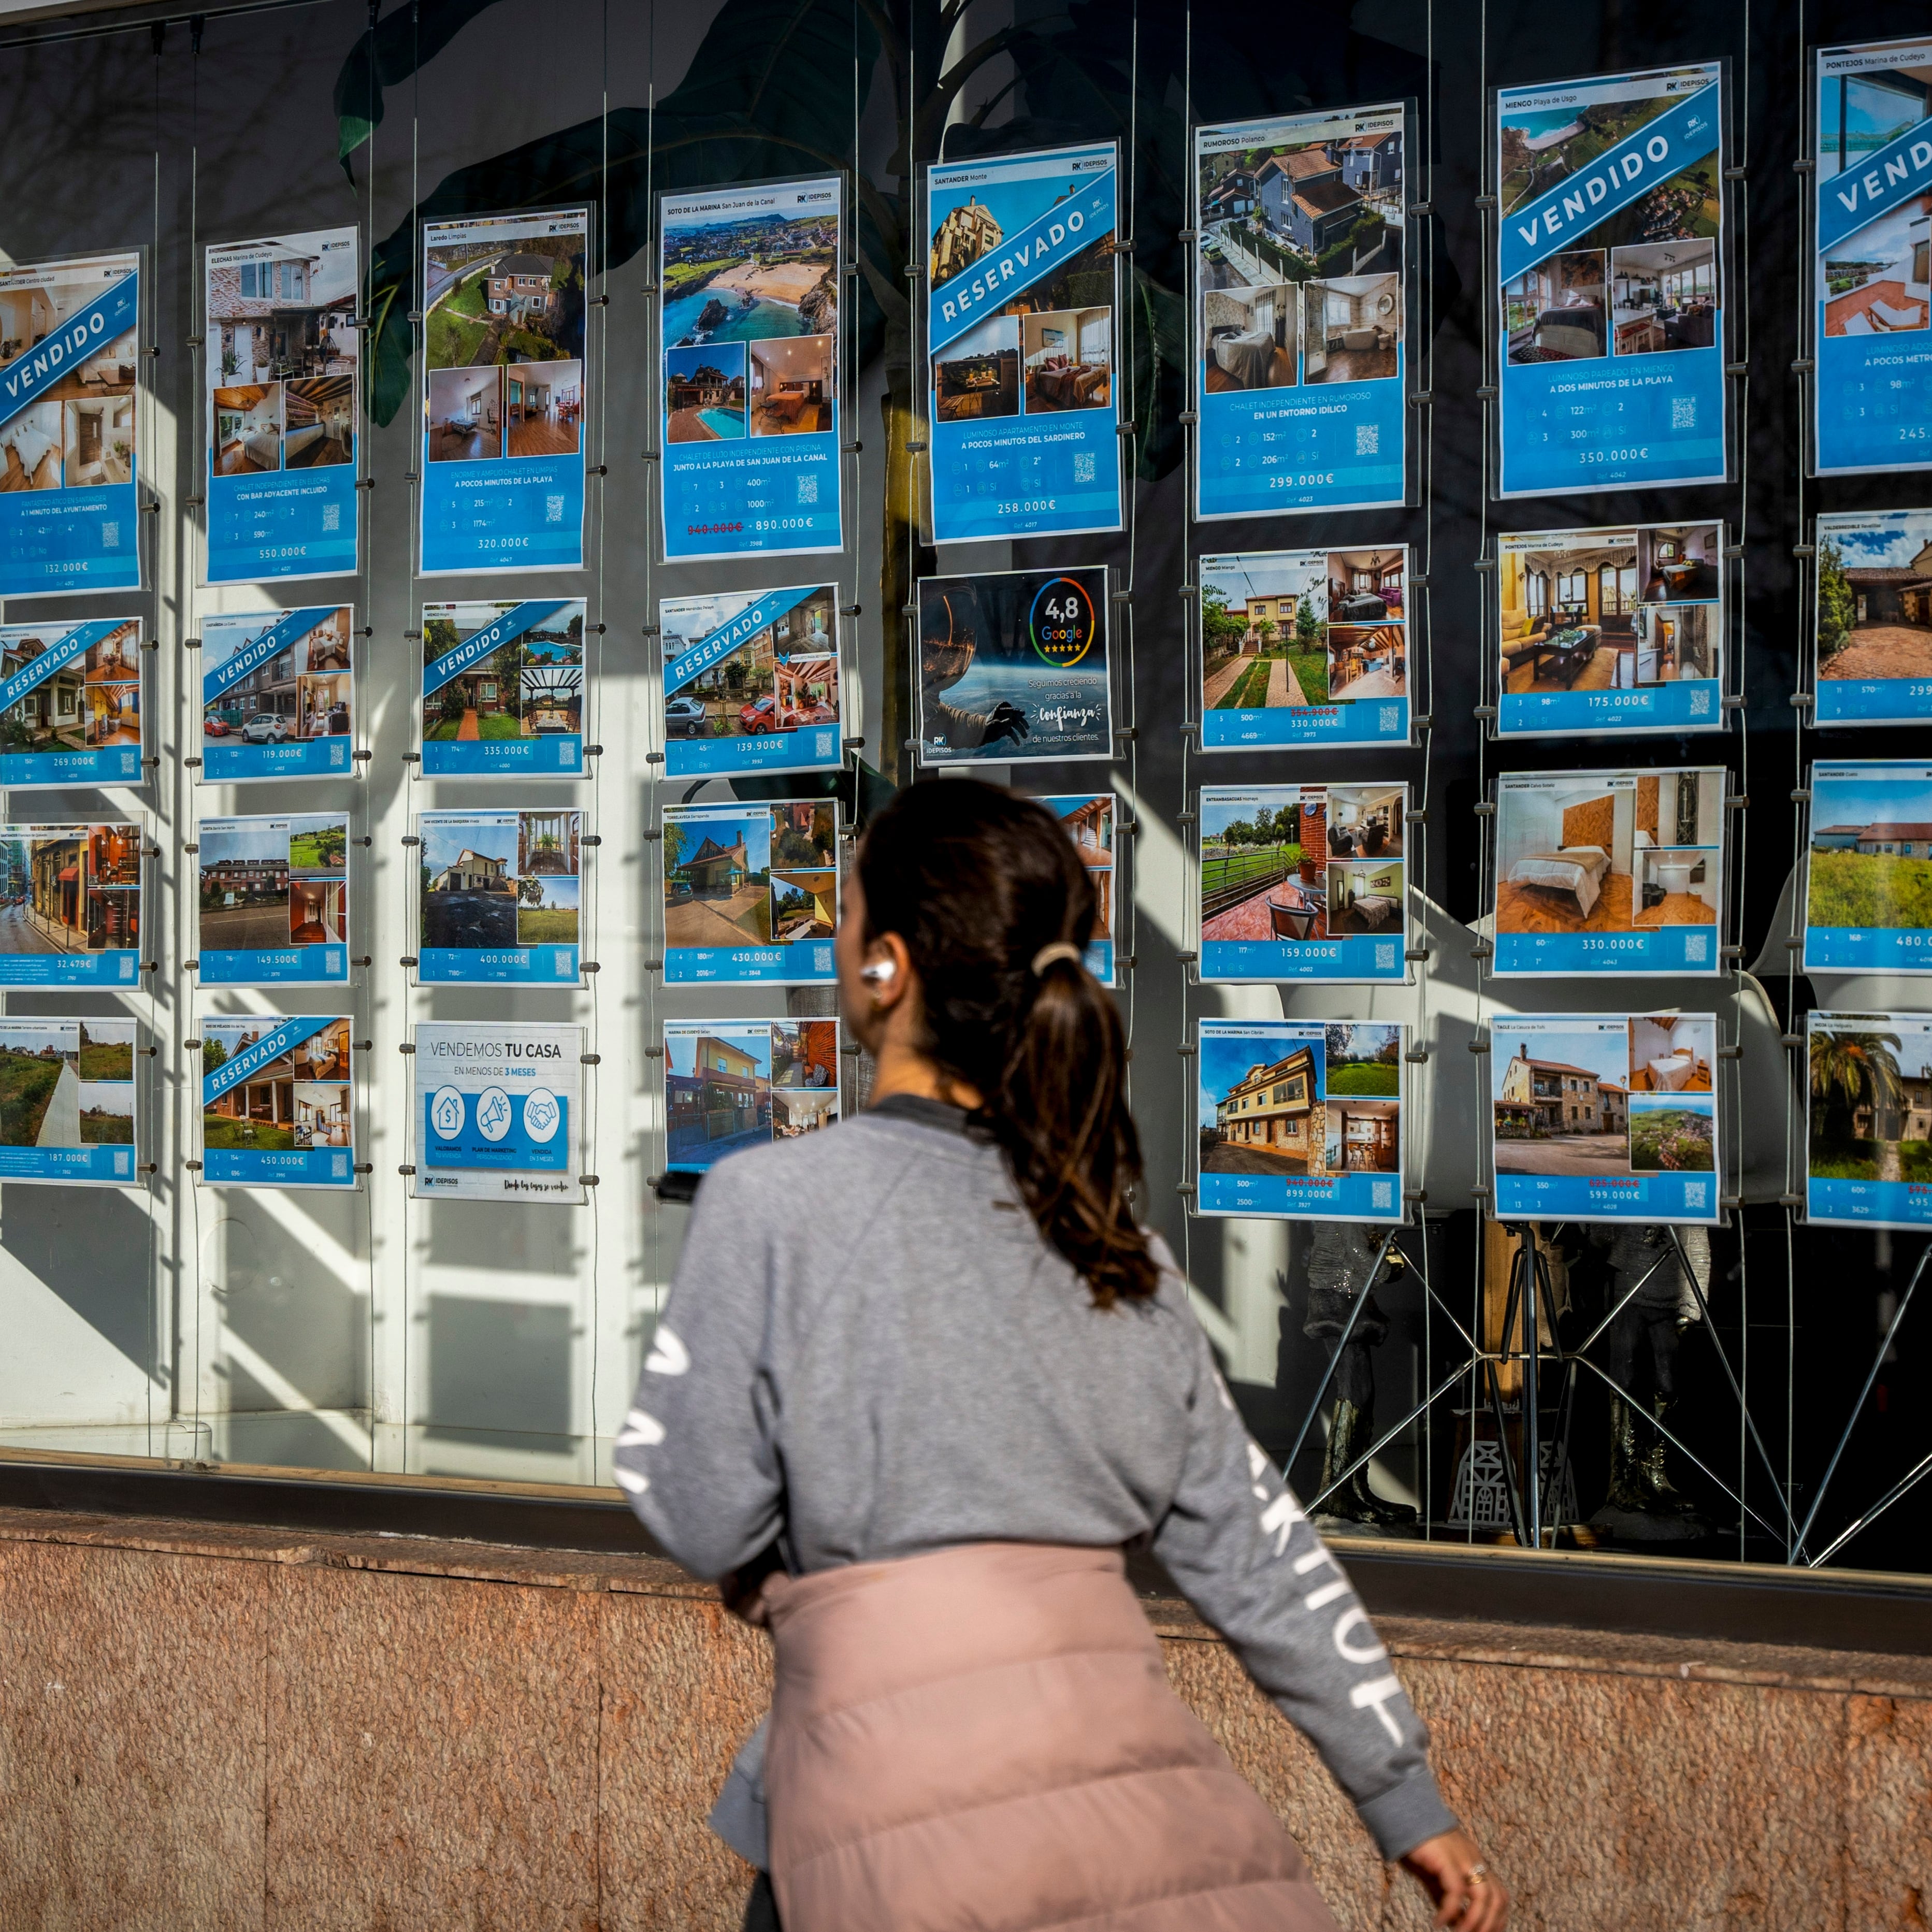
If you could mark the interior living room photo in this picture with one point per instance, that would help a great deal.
(466, 415)
(1249, 338)
(1554, 312)
(977, 374)
(1067, 354)
(1353, 329)
(790, 392)
(543, 407)
(1664, 295)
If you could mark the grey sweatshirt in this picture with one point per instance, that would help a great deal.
(868, 1352)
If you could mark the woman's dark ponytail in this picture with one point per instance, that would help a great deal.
(994, 906)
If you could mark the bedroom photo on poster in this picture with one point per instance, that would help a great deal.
(734, 1083)
(278, 1101)
(277, 695)
(70, 703)
(68, 1115)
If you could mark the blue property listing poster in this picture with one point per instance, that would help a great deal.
(1300, 1119)
(1013, 665)
(734, 1084)
(70, 354)
(1022, 310)
(284, 358)
(1303, 882)
(1605, 1117)
(1302, 649)
(1302, 329)
(70, 903)
(501, 894)
(1606, 631)
(504, 392)
(278, 1101)
(499, 1112)
(750, 893)
(1090, 818)
(503, 689)
(1868, 1120)
(71, 1117)
(1868, 874)
(1873, 389)
(1611, 253)
(748, 289)
(751, 681)
(1617, 872)
(273, 895)
(277, 694)
(70, 703)
(1872, 621)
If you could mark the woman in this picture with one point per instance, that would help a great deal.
(912, 1423)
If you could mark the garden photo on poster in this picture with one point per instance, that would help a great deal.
(751, 892)
(67, 1108)
(1868, 873)
(70, 903)
(277, 694)
(273, 895)
(1872, 630)
(70, 703)
(501, 897)
(1868, 1119)
(730, 1084)
(499, 1112)
(503, 686)
(278, 1101)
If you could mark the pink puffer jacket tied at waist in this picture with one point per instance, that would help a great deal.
(984, 1740)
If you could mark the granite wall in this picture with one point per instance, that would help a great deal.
(242, 1729)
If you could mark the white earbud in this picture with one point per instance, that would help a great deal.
(880, 972)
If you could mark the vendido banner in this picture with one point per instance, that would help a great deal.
(503, 688)
(277, 694)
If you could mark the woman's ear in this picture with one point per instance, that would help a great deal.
(887, 971)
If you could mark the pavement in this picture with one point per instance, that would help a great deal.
(60, 1125)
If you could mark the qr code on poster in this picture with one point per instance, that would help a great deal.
(332, 516)
(110, 536)
(1368, 439)
(1381, 1194)
(553, 507)
(1384, 955)
(1695, 1192)
(1388, 718)
(1700, 704)
(1083, 467)
(807, 489)
(1684, 412)
(1696, 949)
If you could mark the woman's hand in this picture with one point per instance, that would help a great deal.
(1466, 1894)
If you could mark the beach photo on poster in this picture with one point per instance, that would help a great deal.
(1868, 879)
(730, 1084)
(277, 692)
(1090, 818)
(751, 892)
(70, 703)
(1874, 617)
(70, 904)
(503, 688)
(745, 266)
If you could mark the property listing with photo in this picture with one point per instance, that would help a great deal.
(70, 903)
(1022, 333)
(69, 353)
(1605, 1117)
(750, 893)
(499, 1112)
(278, 1101)
(278, 694)
(748, 308)
(1304, 648)
(1620, 872)
(68, 1115)
(751, 683)
(1303, 882)
(1872, 174)
(1610, 631)
(735, 1084)
(1090, 818)
(274, 900)
(282, 357)
(1302, 319)
(500, 895)
(1868, 873)
(1014, 665)
(504, 397)
(1868, 1120)
(70, 703)
(1611, 250)
(1872, 625)
(1300, 1119)
(502, 685)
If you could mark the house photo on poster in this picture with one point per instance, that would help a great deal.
(70, 903)
(278, 1101)
(1022, 316)
(1868, 1120)
(1620, 872)
(1013, 665)
(1610, 250)
(499, 1112)
(1302, 321)
(1090, 818)
(751, 892)
(277, 695)
(67, 1110)
(749, 317)
(283, 356)
(734, 1083)
(70, 350)
(70, 703)
(273, 899)
(1300, 1119)
(1868, 873)
(1872, 634)
(502, 685)
(1873, 292)
(1304, 648)
(504, 397)
(751, 683)
(1303, 882)
(1605, 1117)
(501, 898)
(1610, 631)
